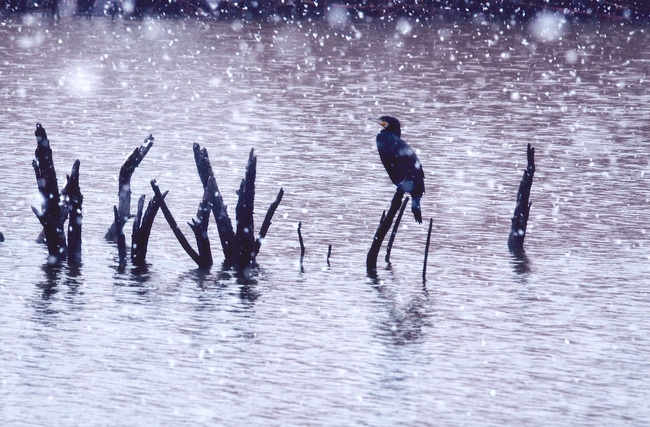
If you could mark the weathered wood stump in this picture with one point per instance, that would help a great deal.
(244, 238)
(142, 229)
(57, 207)
(522, 209)
(240, 248)
(124, 190)
(219, 209)
(383, 228)
(74, 200)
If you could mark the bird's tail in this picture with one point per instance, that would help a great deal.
(415, 208)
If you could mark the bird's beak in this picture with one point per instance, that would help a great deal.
(379, 122)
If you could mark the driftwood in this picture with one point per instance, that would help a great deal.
(329, 253)
(522, 209)
(124, 190)
(393, 233)
(57, 207)
(382, 230)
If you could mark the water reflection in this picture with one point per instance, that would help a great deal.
(406, 319)
(520, 263)
(62, 284)
(49, 287)
(136, 278)
(247, 282)
(248, 291)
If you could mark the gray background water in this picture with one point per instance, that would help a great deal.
(560, 339)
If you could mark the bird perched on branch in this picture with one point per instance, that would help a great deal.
(401, 163)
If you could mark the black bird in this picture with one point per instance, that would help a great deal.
(401, 163)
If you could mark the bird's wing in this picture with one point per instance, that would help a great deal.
(401, 162)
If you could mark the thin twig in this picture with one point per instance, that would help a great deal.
(267, 221)
(426, 253)
(302, 245)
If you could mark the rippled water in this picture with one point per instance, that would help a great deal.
(560, 338)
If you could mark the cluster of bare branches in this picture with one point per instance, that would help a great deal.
(239, 245)
(57, 208)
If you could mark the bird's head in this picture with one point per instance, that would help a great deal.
(390, 124)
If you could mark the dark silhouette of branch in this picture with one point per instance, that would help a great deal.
(200, 228)
(302, 245)
(329, 253)
(142, 229)
(124, 190)
(219, 209)
(426, 252)
(74, 199)
(382, 230)
(395, 227)
(267, 221)
(121, 240)
(51, 215)
(174, 226)
(244, 214)
(522, 209)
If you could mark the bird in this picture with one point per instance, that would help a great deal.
(401, 162)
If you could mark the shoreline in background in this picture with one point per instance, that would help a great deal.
(632, 11)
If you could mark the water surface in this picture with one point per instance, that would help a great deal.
(559, 338)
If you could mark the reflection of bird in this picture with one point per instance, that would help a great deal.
(401, 163)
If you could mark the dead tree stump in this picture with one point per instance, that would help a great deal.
(244, 238)
(240, 248)
(124, 191)
(142, 229)
(200, 228)
(219, 209)
(74, 199)
(391, 240)
(55, 209)
(382, 230)
(522, 209)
